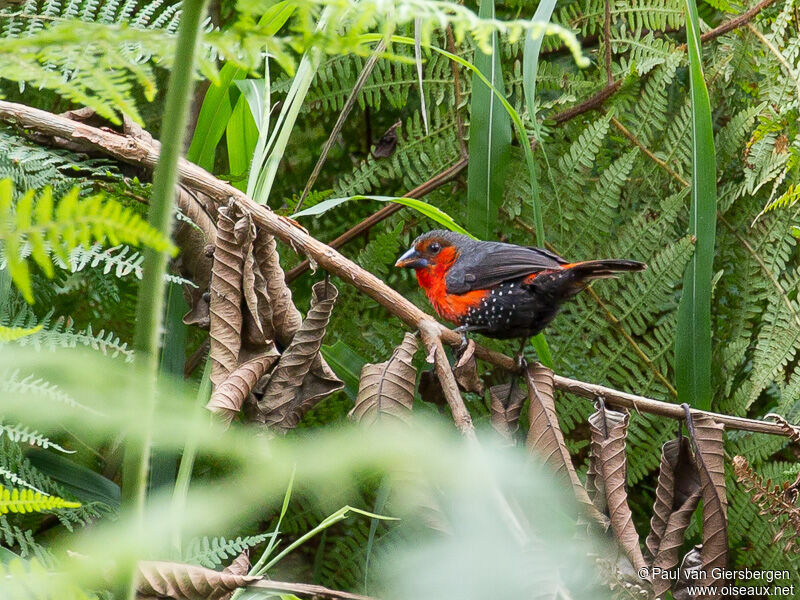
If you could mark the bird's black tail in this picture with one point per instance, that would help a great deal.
(598, 269)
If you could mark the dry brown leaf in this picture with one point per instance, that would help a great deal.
(186, 582)
(677, 496)
(386, 390)
(546, 439)
(226, 298)
(466, 371)
(229, 396)
(603, 420)
(710, 460)
(258, 307)
(302, 378)
(286, 319)
(505, 405)
(386, 145)
(239, 565)
(609, 429)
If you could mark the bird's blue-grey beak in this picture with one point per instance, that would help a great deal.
(411, 260)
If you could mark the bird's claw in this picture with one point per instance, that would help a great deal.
(462, 347)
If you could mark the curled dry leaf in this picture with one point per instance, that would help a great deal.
(301, 378)
(546, 439)
(388, 142)
(258, 333)
(710, 460)
(386, 390)
(186, 582)
(677, 496)
(286, 319)
(229, 396)
(609, 429)
(226, 298)
(239, 565)
(505, 405)
(466, 371)
(600, 422)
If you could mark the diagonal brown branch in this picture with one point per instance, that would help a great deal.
(137, 151)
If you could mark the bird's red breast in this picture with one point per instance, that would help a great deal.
(452, 307)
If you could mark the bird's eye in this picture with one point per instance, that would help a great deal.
(434, 247)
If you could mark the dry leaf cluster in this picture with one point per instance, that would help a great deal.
(265, 357)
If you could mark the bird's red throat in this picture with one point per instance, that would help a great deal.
(448, 306)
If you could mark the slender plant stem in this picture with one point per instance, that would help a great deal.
(184, 477)
(150, 303)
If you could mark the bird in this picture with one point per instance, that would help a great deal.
(500, 290)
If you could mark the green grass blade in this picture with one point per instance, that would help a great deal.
(213, 118)
(421, 207)
(530, 69)
(693, 340)
(489, 139)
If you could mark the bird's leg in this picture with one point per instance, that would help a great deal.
(462, 331)
(519, 357)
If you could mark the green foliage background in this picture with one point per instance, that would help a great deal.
(613, 182)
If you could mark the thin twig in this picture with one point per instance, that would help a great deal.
(431, 332)
(136, 151)
(781, 58)
(624, 131)
(348, 106)
(607, 40)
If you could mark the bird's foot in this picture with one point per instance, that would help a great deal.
(462, 330)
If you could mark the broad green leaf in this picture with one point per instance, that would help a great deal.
(693, 340)
(346, 363)
(241, 136)
(213, 118)
(489, 139)
(424, 208)
(86, 485)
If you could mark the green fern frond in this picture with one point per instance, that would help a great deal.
(213, 552)
(574, 164)
(381, 252)
(21, 540)
(9, 334)
(58, 228)
(30, 386)
(22, 434)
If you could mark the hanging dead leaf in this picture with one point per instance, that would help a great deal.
(386, 390)
(226, 298)
(506, 402)
(286, 319)
(229, 396)
(186, 582)
(258, 333)
(466, 371)
(388, 142)
(609, 428)
(710, 460)
(546, 440)
(677, 496)
(302, 378)
(604, 421)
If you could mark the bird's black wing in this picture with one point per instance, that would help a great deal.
(486, 264)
